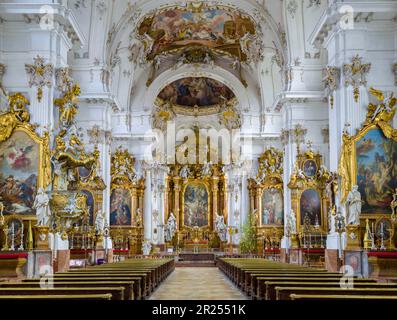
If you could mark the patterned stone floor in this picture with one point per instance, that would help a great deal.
(197, 283)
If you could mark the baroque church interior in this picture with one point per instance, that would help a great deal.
(145, 144)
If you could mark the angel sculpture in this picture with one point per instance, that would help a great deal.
(184, 173)
(387, 101)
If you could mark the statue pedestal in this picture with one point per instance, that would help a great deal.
(353, 237)
(41, 237)
(294, 241)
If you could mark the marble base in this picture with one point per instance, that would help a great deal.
(331, 260)
(39, 263)
(62, 261)
(283, 256)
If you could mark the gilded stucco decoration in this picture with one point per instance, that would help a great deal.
(331, 82)
(40, 75)
(355, 74)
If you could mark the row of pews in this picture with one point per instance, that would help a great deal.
(268, 280)
(133, 279)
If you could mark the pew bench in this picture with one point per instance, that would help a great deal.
(284, 293)
(94, 297)
(339, 297)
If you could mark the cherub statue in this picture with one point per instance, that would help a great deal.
(42, 206)
(353, 203)
(386, 99)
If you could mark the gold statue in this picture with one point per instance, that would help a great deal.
(393, 205)
(68, 105)
(18, 114)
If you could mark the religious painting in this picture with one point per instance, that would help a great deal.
(196, 91)
(353, 260)
(90, 205)
(179, 27)
(19, 167)
(195, 206)
(272, 207)
(310, 168)
(376, 172)
(310, 208)
(120, 207)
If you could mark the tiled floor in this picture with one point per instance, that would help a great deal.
(197, 283)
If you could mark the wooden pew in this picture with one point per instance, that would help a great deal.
(94, 297)
(103, 276)
(116, 292)
(128, 286)
(272, 295)
(134, 281)
(284, 293)
(339, 297)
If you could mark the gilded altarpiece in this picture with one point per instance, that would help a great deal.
(196, 199)
(369, 161)
(267, 200)
(309, 201)
(25, 168)
(126, 204)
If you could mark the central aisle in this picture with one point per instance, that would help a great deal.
(197, 283)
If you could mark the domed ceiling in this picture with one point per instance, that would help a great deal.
(219, 28)
(196, 91)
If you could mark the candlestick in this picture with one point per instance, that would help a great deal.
(12, 237)
(21, 245)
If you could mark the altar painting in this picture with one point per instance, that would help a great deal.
(19, 167)
(90, 205)
(272, 207)
(376, 171)
(195, 205)
(120, 207)
(310, 207)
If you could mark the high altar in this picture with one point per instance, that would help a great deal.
(196, 198)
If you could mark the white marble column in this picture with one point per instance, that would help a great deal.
(147, 207)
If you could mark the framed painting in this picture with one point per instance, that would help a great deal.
(310, 208)
(376, 164)
(310, 168)
(90, 205)
(120, 207)
(24, 167)
(272, 207)
(196, 205)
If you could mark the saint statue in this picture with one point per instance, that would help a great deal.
(138, 217)
(170, 228)
(206, 170)
(393, 205)
(353, 203)
(292, 222)
(220, 227)
(146, 247)
(42, 206)
(100, 221)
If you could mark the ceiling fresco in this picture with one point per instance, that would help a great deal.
(196, 91)
(219, 28)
